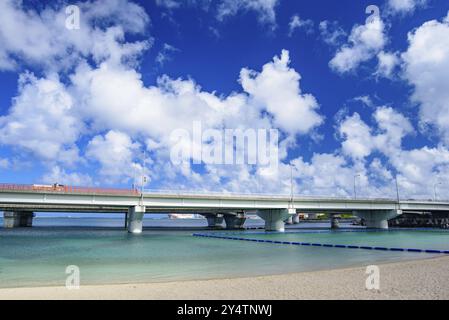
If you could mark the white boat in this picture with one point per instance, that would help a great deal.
(181, 216)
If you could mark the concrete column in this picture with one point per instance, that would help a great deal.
(274, 219)
(214, 220)
(17, 219)
(335, 223)
(234, 221)
(377, 219)
(289, 220)
(135, 219)
(296, 219)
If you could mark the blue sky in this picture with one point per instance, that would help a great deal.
(350, 97)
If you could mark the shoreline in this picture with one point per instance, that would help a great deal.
(414, 279)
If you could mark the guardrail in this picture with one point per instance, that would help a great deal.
(117, 191)
(66, 189)
(243, 195)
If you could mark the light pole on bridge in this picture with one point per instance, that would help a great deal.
(355, 189)
(435, 197)
(397, 188)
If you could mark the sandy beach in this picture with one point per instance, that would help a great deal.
(421, 279)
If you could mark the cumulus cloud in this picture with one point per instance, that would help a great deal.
(265, 9)
(357, 137)
(115, 97)
(331, 33)
(92, 110)
(405, 6)
(364, 43)
(115, 152)
(297, 23)
(277, 89)
(42, 120)
(108, 95)
(426, 62)
(224, 9)
(61, 176)
(169, 4)
(31, 37)
(417, 169)
(387, 63)
(359, 140)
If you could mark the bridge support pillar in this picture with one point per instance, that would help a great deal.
(377, 219)
(17, 219)
(234, 221)
(335, 223)
(214, 220)
(274, 219)
(289, 220)
(296, 219)
(135, 219)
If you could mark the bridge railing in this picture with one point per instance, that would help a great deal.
(56, 188)
(206, 193)
(66, 189)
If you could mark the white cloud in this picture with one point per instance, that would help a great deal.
(115, 152)
(405, 6)
(175, 4)
(359, 140)
(265, 9)
(331, 32)
(365, 99)
(364, 43)
(42, 120)
(165, 53)
(387, 63)
(104, 101)
(297, 23)
(277, 90)
(418, 169)
(357, 137)
(327, 174)
(426, 62)
(113, 97)
(59, 175)
(169, 4)
(31, 37)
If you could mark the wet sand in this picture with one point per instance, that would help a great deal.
(420, 279)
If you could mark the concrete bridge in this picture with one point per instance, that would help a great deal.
(20, 202)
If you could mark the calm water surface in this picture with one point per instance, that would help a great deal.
(105, 253)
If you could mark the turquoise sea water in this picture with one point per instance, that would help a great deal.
(395, 238)
(106, 253)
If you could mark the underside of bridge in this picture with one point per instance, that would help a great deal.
(275, 219)
(17, 219)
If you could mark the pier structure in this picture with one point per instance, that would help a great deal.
(17, 219)
(20, 202)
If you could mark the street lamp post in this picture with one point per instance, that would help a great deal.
(397, 188)
(355, 191)
(291, 183)
(143, 176)
(435, 197)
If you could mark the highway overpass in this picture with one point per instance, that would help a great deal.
(19, 202)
